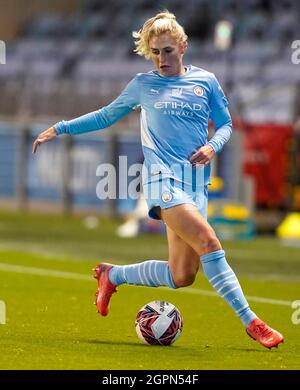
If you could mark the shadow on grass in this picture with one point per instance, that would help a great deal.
(196, 349)
(130, 343)
(246, 349)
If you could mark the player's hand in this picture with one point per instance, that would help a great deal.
(45, 136)
(203, 155)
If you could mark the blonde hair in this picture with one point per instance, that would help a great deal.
(163, 22)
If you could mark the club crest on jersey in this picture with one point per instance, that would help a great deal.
(166, 196)
(198, 90)
(176, 92)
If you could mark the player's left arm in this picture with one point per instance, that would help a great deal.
(222, 123)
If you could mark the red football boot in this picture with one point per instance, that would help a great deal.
(261, 332)
(105, 288)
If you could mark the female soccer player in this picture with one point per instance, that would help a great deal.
(176, 103)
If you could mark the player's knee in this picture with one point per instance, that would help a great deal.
(183, 279)
(210, 243)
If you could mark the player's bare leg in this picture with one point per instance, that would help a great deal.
(192, 228)
(183, 260)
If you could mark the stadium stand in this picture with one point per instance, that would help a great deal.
(88, 57)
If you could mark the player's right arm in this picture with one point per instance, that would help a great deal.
(45, 136)
(96, 120)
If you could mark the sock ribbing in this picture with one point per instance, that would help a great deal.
(152, 273)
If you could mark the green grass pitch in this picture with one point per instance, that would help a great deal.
(51, 322)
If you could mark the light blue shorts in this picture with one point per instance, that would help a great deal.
(167, 192)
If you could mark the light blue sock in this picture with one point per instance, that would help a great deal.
(151, 273)
(223, 279)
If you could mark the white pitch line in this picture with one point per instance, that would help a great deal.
(249, 297)
(76, 276)
(43, 272)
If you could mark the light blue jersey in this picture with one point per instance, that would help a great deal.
(175, 111)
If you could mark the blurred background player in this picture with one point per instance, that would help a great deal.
(138, 222)
(131, 226)
(177, 102)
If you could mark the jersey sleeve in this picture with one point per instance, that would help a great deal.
(220, 116)
(218, 100)
(126, 102)
(223, 129)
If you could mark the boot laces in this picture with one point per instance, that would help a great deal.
(263, 330)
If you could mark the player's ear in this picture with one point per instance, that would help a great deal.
(184, 46)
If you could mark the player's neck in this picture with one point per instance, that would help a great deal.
(182, 70)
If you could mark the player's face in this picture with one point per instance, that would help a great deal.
(166, 54)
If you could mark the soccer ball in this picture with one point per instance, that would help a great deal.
(158, 323)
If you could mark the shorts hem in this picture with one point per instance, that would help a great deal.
(152, 214)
